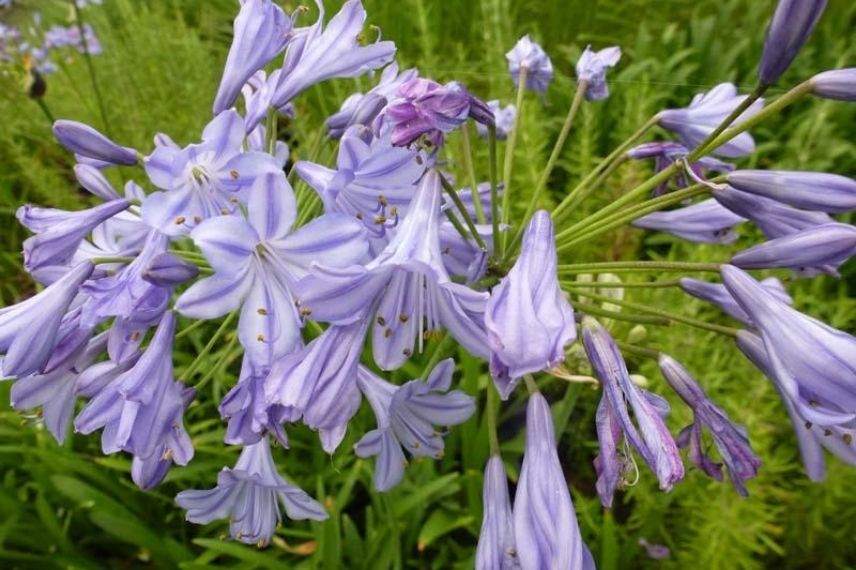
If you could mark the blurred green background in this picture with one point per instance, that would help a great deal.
(71, 507)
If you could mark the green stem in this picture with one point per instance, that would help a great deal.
(494, 190)
(704, 147)
(46, 110)
(459, 204)
(630, 285)
(108, 259)
(191, 368)
(271, 131)
(601, 178)
(596, 311)
(467, 159)
(612, 266)
(221, 365)
(531, 386)
(438, 353)
(638, 350)
(508, 166)
(190, 328)
(87, 56)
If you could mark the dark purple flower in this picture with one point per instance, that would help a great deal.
(503, 118)
(529, 320)
(85, 141)
(496, 548)
(704, 222)
(837, 84)
(806, 190)
(666, 153)
(789, 29)
(529, 55)
(249, 495)
(423, 107)
(772, 217)
(718, 294)
(591, 68)
(821, 248)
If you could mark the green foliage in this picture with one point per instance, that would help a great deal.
(70, 507)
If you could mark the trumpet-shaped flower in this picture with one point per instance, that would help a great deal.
(817, 191)
(591, 69)
(528, 55)
(821, 248)
(496, 549)
(704, 222)
(424, 108)
(718, 294)
(86, 142)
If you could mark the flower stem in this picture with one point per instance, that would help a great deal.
(467, 159)
(531, 386)
(45, 110)
(666, 283)
(87, 56)
(271, 131)
(494, 190)
(438, 353)
(453, 194)
(596, 311)
(221, 330)
(704, 146)
(613, 266)
(508, 166)
(638, 350)
(115, 259)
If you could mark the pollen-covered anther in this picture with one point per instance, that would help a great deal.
(262, 311)
(381, 321)
(234, 174)
(180, 220)
(260, 338)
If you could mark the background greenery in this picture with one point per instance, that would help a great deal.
(70, 506)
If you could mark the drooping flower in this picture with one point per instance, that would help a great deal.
(496, 548)
(718, 294)
(729, 438)
(528, 55)
(85, 141)
(666, 153)
(814, 363)
(406, 416)
(29, 330)
(529, 320)
(257, 262)
(545, 523)
(503, 117)
(704, 222)
(655, 444)
(790, 27)
(816, 191)
(202, 180)
(424, 108)
(837, 84)
(261, 31)
(248, 414)
(821, 248)
(406, 288)
(249, 496)
(705, 112)
(592, 67)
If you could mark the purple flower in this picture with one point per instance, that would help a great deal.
(655, 551)
(425, 108)
(496, 549)
(202, 180)
(789, 29)
(591, 68)
(806, 190)
(655, 444)
(85, 141)
(248, 414)
(545, 523)
(665, 153)
(503, 117)
(730, 439)
(95, 182)
(814, 363)
(261, 32)
(257, 92)
(406, 288)
(249, 496)
(704, 222)
(463, 257)
(529, 320)
(319, 53)
(811, 437)
(168, 270)
(528, 55)
(718, 295)
(705, 112)
(837, 84)
(29, 330)
(257, 262)
(821, 248)
(406, 416)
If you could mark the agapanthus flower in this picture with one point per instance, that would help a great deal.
(705, 112)
(729, 438)
(405, 288)
(655, 444)
(821, 248)
(816, 191)
(94, 181)
(811, 437)
(424, 108)
(85, 141)
(29, 330)
(529, 320)
(545, 523)
(837, 84)
(704, 222)
(258, 260)
(790, 27)
(496, 548)
(814, 363)
(202, 180)
(249, 496)
(666, 153)
(261, 31)
(718, 294)
(258, 92)
(528, 55)
(591, 69)
(167, 270)
(248, 414)
(406, 416)
(503, 117)
(62, 36)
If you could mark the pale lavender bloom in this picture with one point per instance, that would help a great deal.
(730, 439)
(496, 549)
(503, 117)
(249, 495)
(772, 217)
(529, 55)
(406, 416)
(148, 472)
(814, 363)
(85, 141)
(257, 141)
(169, 270)
(248, 414)
(666, 153)
(545, 523)
(790, 27)
(318, 53)
(811, 437)
(60, 37)
(463, 257)
(529, 320)
(257, 262)
(424, 108)
(202, 180)
(837, 84)
(591, 68)
(704, 222)
(29, 330)
(406, 288)
(261, 31)
(718, 294)
(95, 182)
(257, 92)
(655, 444)
(821, 248)
(806, 190)
(705, 112)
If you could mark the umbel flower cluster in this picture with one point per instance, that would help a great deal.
(389, 253)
